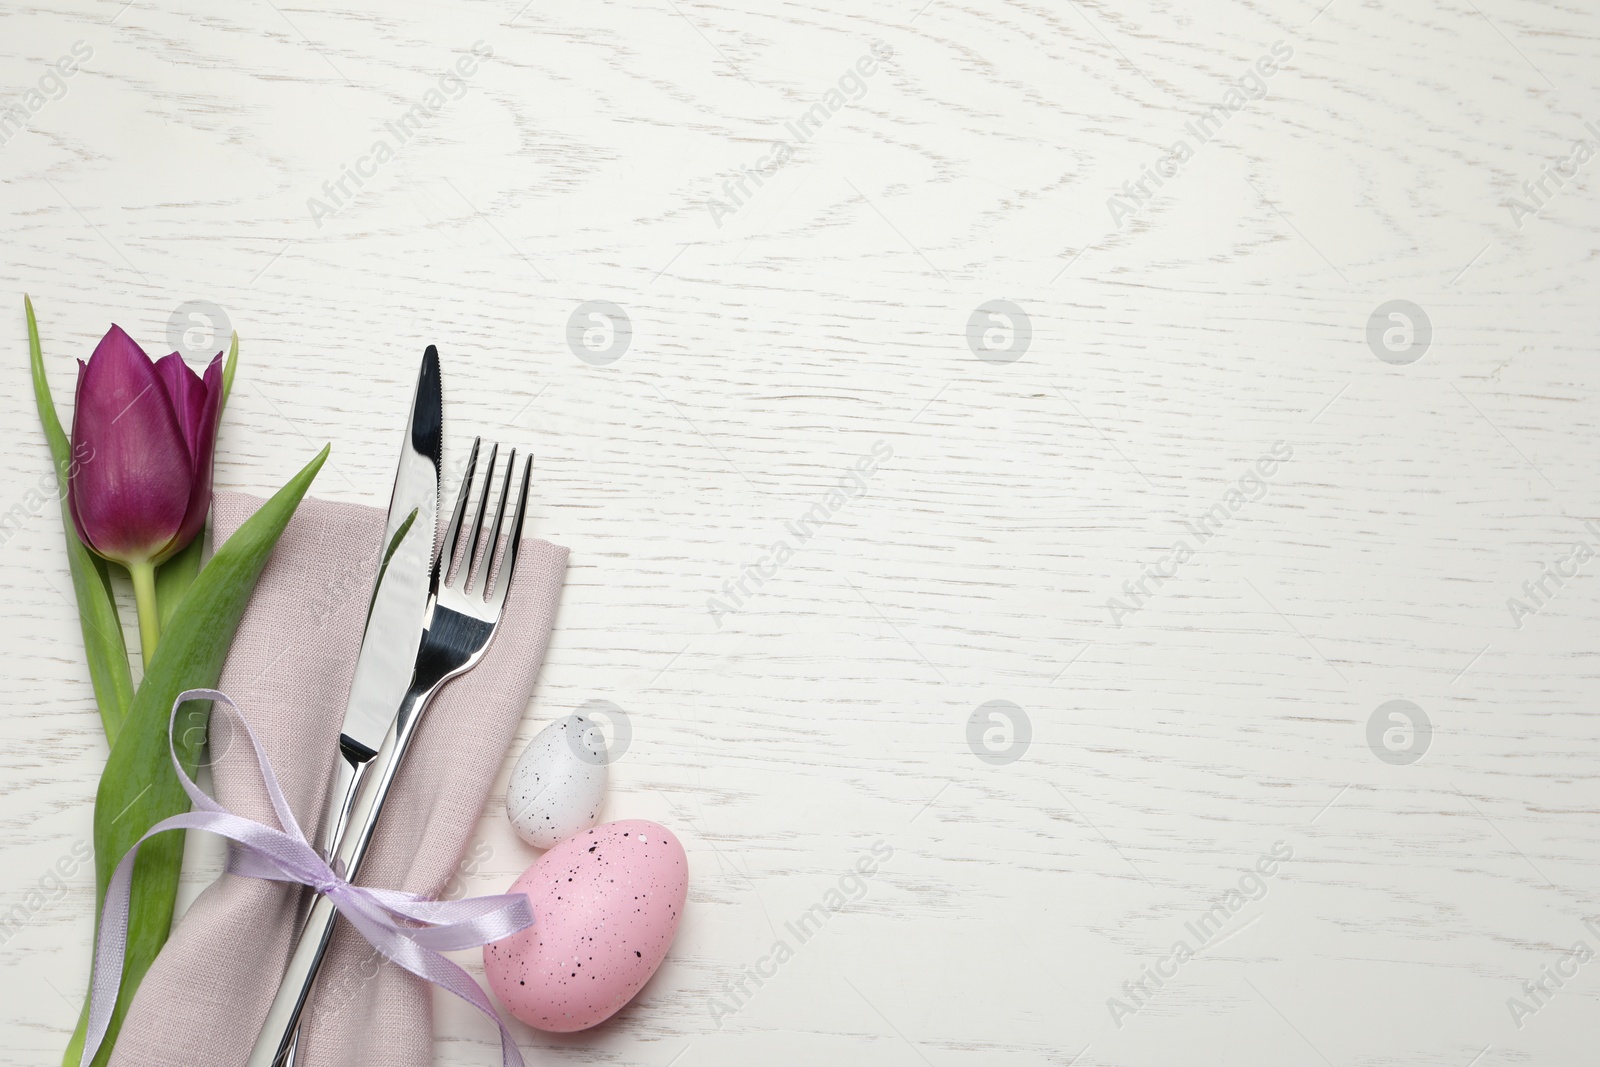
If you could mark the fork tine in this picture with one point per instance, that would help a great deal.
(499, 516)
(452, 533)
(473, 550)
(508, 565)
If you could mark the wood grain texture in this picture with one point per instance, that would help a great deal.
(826, 315)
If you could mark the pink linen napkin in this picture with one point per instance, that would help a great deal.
(204, 999)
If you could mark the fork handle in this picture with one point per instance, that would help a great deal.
(276, 1045)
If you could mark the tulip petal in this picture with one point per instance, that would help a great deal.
(187, 393)
(72, 497)
(205, 399)
(131, 491)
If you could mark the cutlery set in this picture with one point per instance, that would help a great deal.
(435, 608)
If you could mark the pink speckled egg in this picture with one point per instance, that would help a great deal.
(606, 904)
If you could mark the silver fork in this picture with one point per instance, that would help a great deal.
(465, 613)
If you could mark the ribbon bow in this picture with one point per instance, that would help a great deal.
(382, 916)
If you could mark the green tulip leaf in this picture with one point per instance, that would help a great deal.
(138, 787)
(229, 365)
(103, 646)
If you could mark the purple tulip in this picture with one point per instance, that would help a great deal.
(146, 432)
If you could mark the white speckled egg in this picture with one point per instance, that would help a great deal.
(559, 782)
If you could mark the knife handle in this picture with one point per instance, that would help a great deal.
(276, 1045)
(349, 771)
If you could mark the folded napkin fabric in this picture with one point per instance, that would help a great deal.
(204, 999)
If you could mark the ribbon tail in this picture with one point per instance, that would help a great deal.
(403, 949)
(462, 985)
(111, 944)
(458, 924)
(282, 857)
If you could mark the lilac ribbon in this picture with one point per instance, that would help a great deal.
(382, 916)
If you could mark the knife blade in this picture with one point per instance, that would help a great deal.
(398, 609)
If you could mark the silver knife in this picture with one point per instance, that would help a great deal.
(398, 611)
(396, 617)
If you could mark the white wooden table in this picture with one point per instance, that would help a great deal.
(1156, 348)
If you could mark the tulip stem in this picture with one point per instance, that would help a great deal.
(144, 598)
